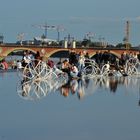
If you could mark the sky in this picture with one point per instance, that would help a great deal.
(104, 19)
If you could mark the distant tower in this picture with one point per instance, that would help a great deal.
(127, 31)
(127, 34)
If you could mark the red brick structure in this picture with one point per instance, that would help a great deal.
(48, 51)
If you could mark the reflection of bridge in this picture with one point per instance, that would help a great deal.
(49, 51)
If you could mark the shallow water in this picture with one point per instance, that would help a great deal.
(107, 109)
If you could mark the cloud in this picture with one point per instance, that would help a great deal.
(138, 18)
(79, 20)
(132, 18)
(88, 20)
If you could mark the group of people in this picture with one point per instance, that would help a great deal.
(76, 61)
(74, 64)
(106, 56)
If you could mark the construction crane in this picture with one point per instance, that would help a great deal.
(45, 27)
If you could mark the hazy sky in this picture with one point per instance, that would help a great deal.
(103, 18)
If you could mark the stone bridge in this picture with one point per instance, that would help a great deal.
(46, 51)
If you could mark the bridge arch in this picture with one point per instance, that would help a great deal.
(105, 57)
(116, 54)
(60, 53)
(57, 51)
(6, 51)
(20, 49)
(111, 53)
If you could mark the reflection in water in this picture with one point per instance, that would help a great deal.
(39, 79)
(110, 82)
(139, 96)
(80, 87)
(37, 87)
(139, 93)
(75, 86)
(84, 87)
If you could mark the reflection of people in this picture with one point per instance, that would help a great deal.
(139, 103)
(81, 91)
(87, 82)
(25, 88)
(65, 89)
(113, 84)
(73, 85)
(139, 97)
